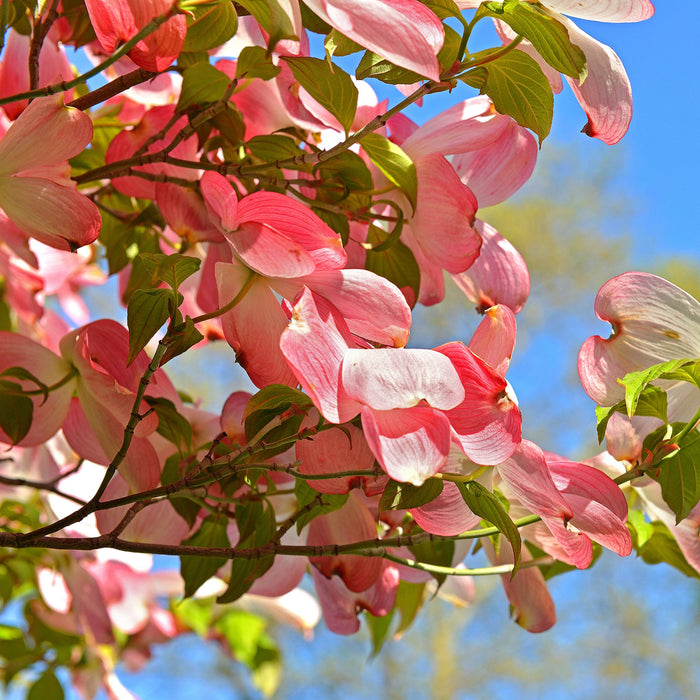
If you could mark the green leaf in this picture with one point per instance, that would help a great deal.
(636, 382)
(443, 8)
(662, 547)
(379, 627)
(272, 18)
(194, 614)
(679, 474)
(255, 62)
(337, 44)
(345, 172)
(639, 528)
(397, 167)
(373, 66)
(409, 600)
(172, 269)
(210, 25)
(24, 374)
(46, 687)
(487, 505)
(325, 503)
(329, 85)
(270, 402)
(171, 425)
(549, 36)
(196, 570)
(400, 496)
(202, 85)
(439, 552)
(16, 411)
(243, 631)
(256, 525)
(518, 87)
(397, 264)
(273, 147)
(147, 311)
(182, 340)
(689, 372)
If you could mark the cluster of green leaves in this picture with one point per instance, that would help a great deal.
(672, 452)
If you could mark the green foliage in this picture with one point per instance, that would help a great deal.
(255, 62)
(195, 570)
(172, 426)
(518, 87)
(400, 496)
(272, 18)
(679, 470)
(487, 505)
(210, 25)
(329, 85)
(147, 311)
(16, 411)
(202, 85)
(397, 167)
(313, 503)
(269, 403)
(549, 36)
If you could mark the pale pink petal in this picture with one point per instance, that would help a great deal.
(533, 607)
(442, 223)
(499, 169)
(576, 546)
(388, 378)
(351, 523)
(487, 423)
(286, 572)
(314, 344)
(335, 451)
(653, 321)
(447, 514)
(18, 351)
(604, 10)
(14, 76)
(220, 200)
(372, 306)
(498, 276)
(411, 444)
(467, 126)
(606, 94)
(254, 326)
(185, 212)
(56, 215)
(494, 339)
(404, 32)
(63, 132)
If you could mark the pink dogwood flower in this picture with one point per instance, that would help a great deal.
(36, 192)
(605, 93)
(653, 321)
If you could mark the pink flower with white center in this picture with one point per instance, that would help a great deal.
(406, 397)
(278, 246)
(36, 192)
(605, 94)
(653, 321)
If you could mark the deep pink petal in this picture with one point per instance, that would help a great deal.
(297, 222)
(411, 444)
(56, 215)
(335, 451)
(487, 422)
